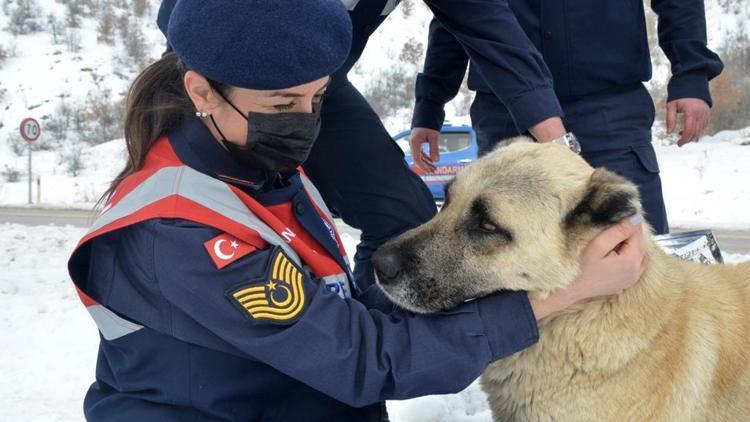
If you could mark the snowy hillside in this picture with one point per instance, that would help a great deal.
(68, 63)
(76, 58)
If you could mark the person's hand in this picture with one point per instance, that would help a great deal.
(612, 262)
(419, 136)
(548, 130)
(696, 115)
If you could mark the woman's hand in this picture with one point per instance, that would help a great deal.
(613, 261)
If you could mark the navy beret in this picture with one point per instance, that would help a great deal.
(261, 44)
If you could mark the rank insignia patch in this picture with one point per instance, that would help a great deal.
(280, 298)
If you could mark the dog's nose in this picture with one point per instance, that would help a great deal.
(387, 262)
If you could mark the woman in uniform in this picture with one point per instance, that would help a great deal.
(214, 273)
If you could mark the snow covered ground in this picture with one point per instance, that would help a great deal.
(49, 343)
(707, 184)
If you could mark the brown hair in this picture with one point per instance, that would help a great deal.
(156, 103)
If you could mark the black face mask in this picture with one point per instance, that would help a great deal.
(275, 142)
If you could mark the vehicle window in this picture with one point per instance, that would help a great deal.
(454, 142)
(449, 142)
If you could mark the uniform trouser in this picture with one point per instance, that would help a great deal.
(614, 130)
(362, 175)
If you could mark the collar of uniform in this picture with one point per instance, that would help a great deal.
(282, 190)
(197, 148)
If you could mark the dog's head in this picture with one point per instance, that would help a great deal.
(516, 219)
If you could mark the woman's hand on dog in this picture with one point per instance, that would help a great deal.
(612, 262)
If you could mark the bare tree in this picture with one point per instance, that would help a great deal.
(407, 8)
(106, 27)
(124, 24)
(392, 89)
(71, 157)
(73, 40)
(73, 14)
(412, 52)
(140, 7)
(55, 28)
(100, 118)
(10, 174)
(24, 18)
(731, 92)
(59, 123)
(136, 48)
(3, 55)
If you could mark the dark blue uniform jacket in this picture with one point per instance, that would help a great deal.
(589, 46)
(199, 357)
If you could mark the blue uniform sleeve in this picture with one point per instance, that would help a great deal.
(490, 34)
(438, 83)
(682, 36)
(337, 346)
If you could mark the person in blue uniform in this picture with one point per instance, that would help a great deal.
(214, 272)
(595, 55)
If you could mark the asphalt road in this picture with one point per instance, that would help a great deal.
(737, 241)
(32, 216)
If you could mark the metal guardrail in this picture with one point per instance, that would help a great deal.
(35, 216)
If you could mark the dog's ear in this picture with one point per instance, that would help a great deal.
(608, 199)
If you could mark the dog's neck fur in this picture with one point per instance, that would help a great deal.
(653, 301)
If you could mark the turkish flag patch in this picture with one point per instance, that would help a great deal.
(225, 249)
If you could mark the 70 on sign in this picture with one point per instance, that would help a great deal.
(30, 129)
(30, 132)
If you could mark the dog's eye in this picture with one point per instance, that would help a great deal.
(487, 226)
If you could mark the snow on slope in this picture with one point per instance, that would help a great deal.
(42, 71)
(49, 342)
(727, 23)
(103, 163)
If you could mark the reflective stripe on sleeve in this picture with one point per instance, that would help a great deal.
(199, 188)
(110, 324)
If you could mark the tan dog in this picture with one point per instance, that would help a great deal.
(675, 347)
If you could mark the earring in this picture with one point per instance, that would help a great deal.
(201, 114)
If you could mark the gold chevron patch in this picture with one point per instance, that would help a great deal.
(280, 299)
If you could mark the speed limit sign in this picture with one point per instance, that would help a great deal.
(30, 129)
